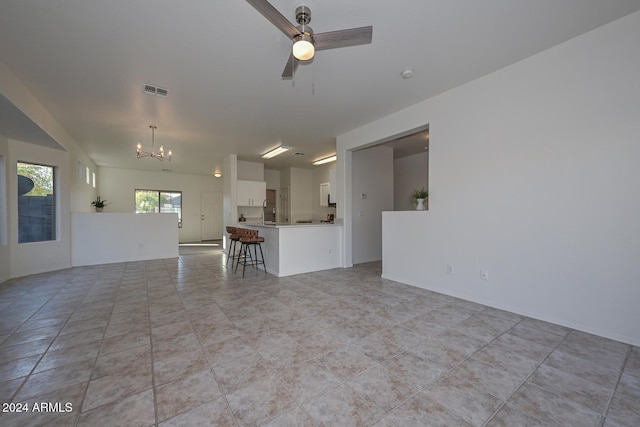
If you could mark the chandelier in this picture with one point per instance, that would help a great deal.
(160, 155)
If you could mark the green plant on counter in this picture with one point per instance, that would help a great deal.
(98, 203)
(420, 194)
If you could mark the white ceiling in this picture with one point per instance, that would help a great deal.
(86, 62)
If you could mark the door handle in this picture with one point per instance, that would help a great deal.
(202, 217)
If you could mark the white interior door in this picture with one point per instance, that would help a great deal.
(211, 215)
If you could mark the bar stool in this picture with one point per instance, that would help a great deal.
(233, 237)
(237, 234)
(249, 238)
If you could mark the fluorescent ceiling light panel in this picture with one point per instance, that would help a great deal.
(325, 160)
(275, 152)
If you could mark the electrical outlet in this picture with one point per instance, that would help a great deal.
(450, 269)
(484, 274)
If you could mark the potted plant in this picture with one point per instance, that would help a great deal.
(420, 196)
(99, 204)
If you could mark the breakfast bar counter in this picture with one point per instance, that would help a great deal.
(300, 248)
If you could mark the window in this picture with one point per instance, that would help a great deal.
(36, 203)
(93, 176)
(87, 175)
(157, 201)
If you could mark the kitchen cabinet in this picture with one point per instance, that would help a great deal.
(325, 189)
(328, 190)
(332, 186)
(251, 193)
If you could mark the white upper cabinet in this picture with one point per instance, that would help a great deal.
(251, 193)
(325, 188)
(332, 185)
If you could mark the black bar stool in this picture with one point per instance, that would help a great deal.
(233, 237)
(248, 239)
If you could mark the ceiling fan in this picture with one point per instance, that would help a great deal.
(305, 42)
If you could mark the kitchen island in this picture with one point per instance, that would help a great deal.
(300, 248)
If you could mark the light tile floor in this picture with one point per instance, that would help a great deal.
(186, 342)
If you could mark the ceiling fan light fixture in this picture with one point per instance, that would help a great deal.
(303, 37)
(303, 48)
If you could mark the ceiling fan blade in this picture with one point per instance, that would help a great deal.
(276, 18)
(290, 68)
(343, 38)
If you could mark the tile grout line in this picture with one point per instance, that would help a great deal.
(613, 390)
(31, 372)
(86, 389)
(222, 392)
(533, 371)
(153, 376)
(506, 401)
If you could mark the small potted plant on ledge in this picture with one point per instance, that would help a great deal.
(99, 204)
(420, 196)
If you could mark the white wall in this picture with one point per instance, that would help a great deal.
(320, 175)
(533, 176)
(409, 173)
(300, 195)
(272, 178)
(372, 193)
(31, 258)
(229, 195)
(118, 187)
(19, 95)
(38, 257)
(82, 193)
(250, 171)
(123, 237)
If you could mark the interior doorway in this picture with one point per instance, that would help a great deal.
(374, 179)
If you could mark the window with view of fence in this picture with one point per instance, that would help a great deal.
(159, 201)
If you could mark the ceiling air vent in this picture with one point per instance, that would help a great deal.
(151, 90)
(154, 90)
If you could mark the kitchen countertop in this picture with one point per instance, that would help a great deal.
(287, 225)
